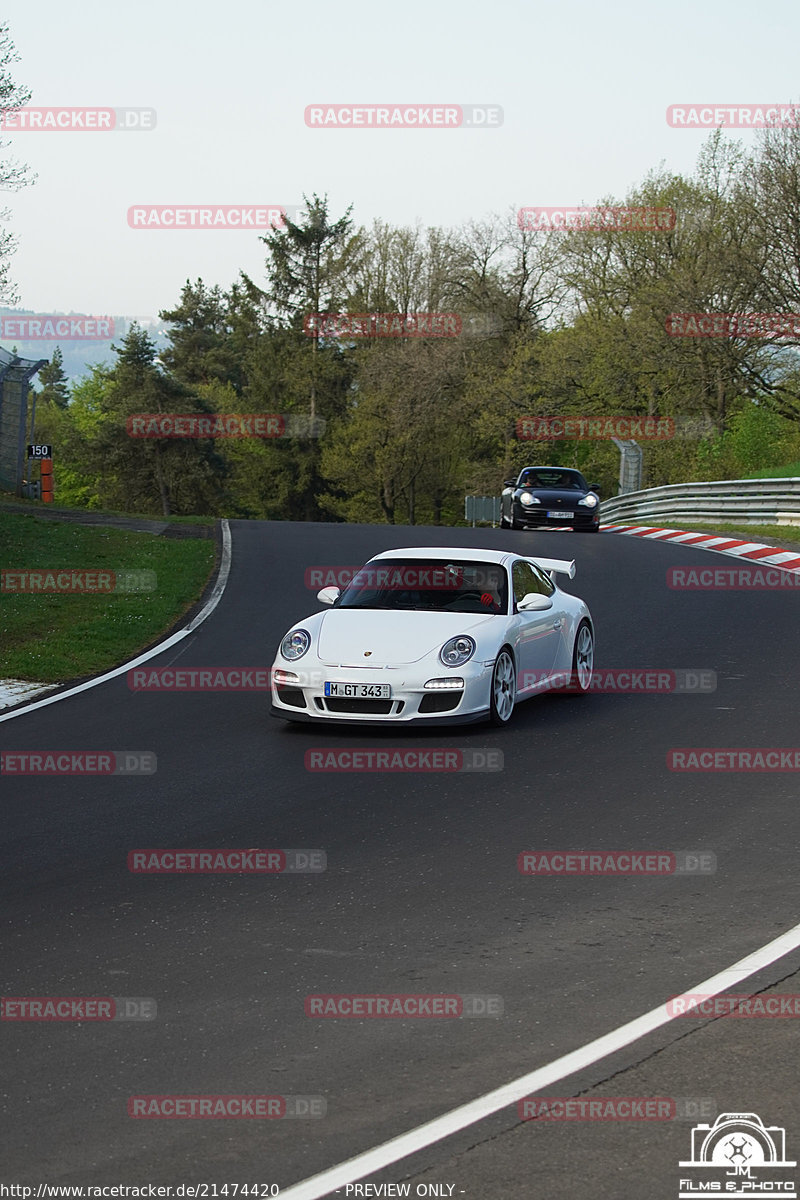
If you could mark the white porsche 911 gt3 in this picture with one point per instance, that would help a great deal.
(435, 636)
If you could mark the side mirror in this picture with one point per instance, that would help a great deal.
(510, 483)
(329, 595)
(594, 487)
(535, 602)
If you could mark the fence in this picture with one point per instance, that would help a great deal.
(482, 508)
(15, 376)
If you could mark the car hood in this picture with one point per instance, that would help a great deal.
(392, 637)
(558, 497)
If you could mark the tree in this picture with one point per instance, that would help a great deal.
(202, 347)
(55, 389)
(770, 191)
(400, 450)
(13, 175)
(310, 270)
(173, 475)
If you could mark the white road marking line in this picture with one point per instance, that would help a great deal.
(206, 611)
(484, 1106)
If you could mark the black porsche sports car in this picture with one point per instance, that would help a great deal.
(546, 497)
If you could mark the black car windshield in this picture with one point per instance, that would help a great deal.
(553, 479)
(429, 585)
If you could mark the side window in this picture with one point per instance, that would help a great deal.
(527, 578)
(544, 583)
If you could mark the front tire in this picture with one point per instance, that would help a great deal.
(504, 524)
(582, 659)
(503, 691)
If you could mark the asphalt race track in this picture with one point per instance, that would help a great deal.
(422, 894)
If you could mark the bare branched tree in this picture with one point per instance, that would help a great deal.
(13, 175)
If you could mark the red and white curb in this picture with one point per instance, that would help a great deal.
(771, 556)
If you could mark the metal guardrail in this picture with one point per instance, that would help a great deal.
(746, 501)
(482, 508)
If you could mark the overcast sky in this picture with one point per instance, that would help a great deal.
(584, 87)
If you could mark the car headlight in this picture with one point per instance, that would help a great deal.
(528, 498)
(295, 644)
(457, 651)
(590, 501)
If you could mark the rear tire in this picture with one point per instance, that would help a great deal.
(503, 688)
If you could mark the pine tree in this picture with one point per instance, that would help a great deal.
(55, 389)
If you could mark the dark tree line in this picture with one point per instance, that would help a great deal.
(551, 324)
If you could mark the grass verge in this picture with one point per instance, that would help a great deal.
(57, 638)
(792, 471)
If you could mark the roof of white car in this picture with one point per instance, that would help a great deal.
(446, 553)
(481, 554)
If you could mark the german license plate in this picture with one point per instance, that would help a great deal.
(561, 516)
(359, 691)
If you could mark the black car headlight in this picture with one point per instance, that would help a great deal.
(589, 501)
(295, 644)
(457, 651)
(529, 498)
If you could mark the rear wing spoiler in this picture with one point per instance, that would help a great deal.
(555, 566)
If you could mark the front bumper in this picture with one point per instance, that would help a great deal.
(410, 703)
(460, 718)
(537, 518)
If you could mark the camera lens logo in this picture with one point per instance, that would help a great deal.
(741, 1150)
(742, 1154)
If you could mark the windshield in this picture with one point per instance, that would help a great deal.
(428, 585)
(553, 479)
